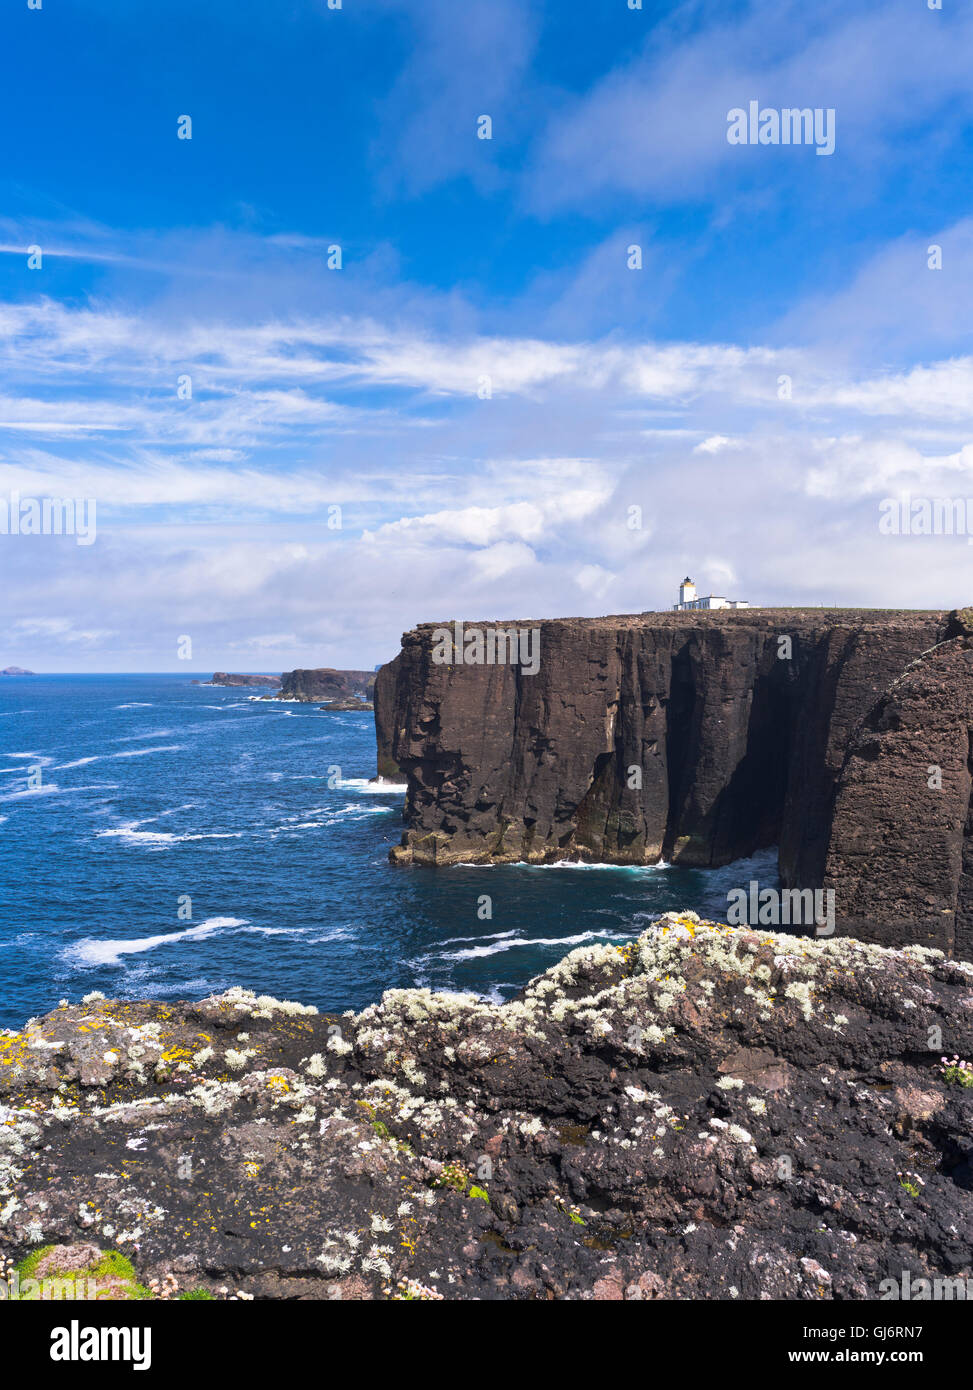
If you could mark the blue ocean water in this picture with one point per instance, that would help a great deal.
(158, 798)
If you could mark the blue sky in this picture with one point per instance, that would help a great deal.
(465, 262)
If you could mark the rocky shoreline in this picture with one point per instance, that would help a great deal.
(705, 1112)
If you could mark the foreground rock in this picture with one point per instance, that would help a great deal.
(704, 1113)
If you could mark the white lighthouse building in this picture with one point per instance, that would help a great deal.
(689, 599)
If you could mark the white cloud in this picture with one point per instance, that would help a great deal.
(594, 580)
(213, 512)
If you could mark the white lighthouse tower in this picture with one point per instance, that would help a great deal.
(687, 592)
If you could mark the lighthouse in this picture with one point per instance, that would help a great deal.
(689, 599)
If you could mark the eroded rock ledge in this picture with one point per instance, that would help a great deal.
(705, 1112)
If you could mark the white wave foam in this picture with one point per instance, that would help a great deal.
(585, 864)
(492, 936)
(379, 787)
(501, 946)
(275, 931)
(94, 952)
(127, 753)
(45, 789)
(152, 733)
(333, 934)
(570, 864)
(137, 704)
(131, 834)
(346, 813)
(144, 752)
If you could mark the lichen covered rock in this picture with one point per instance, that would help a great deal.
(703, 1112)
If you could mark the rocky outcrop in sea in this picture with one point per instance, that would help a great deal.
(326, 683)
(705, 1112)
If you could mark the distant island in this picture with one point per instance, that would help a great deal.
(16, 671)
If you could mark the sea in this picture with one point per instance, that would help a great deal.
(165, 840)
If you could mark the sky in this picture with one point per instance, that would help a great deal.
(555, 370)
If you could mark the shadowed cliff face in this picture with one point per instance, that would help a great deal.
(901, 853)
(700, 737)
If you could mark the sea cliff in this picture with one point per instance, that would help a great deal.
(843, 737)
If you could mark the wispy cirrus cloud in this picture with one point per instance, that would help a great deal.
(656, 125)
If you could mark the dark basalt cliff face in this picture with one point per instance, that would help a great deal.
(700, 738)
(901, 853)
(704, 1113)
(326, 683)
(735, 724)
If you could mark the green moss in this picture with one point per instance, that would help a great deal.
(111, 1269)
(193, 1294)
(452, 1175)
(480, 1192)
